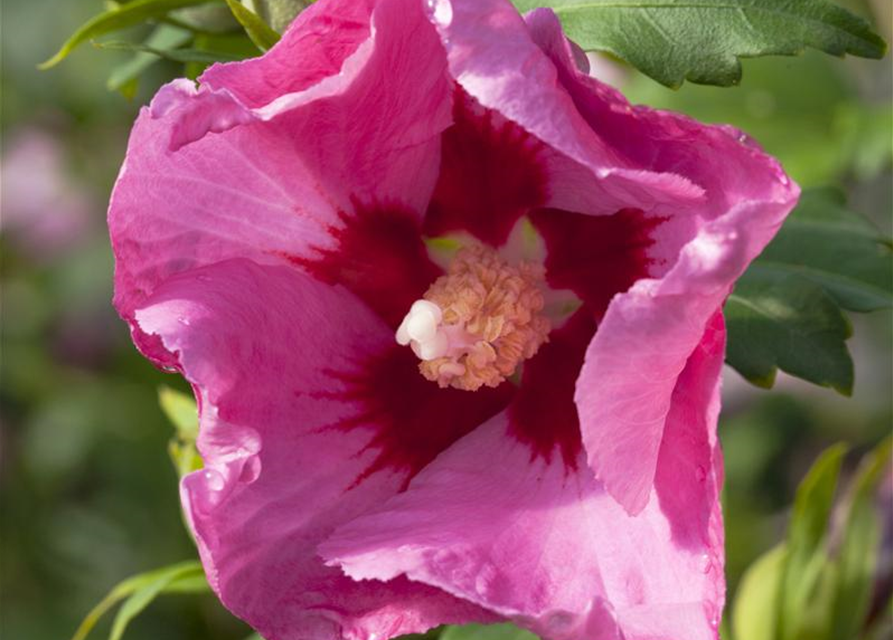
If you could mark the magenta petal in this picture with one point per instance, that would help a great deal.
(689, 470)
(390, 90)
(230, 195)
(494, 59)
(632, 366)
(281, 181)
(625, 389)
(267, 350)
(540, 544)
(540, 541)
(320, 39)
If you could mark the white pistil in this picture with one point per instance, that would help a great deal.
(421, 330)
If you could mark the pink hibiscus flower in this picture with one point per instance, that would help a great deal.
(503, 458)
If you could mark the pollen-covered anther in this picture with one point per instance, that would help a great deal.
(478, 322)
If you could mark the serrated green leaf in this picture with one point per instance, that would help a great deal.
(702, 40)
(836, 249)
(121, 17)
(125, 77)
(854, 567)
(785, 321)
(176, 55)
(183, 577)
(260, 32)
(755, 610)
(486, 632)
(806, 556)
(786, 310)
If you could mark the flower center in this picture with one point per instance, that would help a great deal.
(478, 322)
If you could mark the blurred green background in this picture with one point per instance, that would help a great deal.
(87, 490)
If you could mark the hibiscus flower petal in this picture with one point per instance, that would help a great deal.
(494, 59)
(389, 93)
(648, 332)
(633, 364)
(689, 471)
(361, 153)
(322, 37)
(500, 521)
(291, 450)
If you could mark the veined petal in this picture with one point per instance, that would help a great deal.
(293, 448)
(288, 180)
(545, 548)
(493, 57)
(689, 472)
(624, 392)
(314, 47)
(536, 539)
(390, 64)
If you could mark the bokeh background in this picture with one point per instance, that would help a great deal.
(87, 490)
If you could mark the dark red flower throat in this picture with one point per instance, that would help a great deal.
(491, 176)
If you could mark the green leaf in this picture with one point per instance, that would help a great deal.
(486, 632)
(855, 565)
(755, 611)
(237, 45)
(702, 40)
(785, 321)
(836, 249)
(432, 634)
(176, 55)
(184, 456)
(806, 556)
(143, 596)
(817, 585)
(125, 77)
(183, 55)
(183, 577)
(786, 311)
(120, 17)
(180, 409)
(260, 32)
(280, 13)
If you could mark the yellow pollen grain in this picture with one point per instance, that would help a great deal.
(499, 306)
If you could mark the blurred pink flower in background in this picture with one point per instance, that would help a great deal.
(44, 210)
(270, 234)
